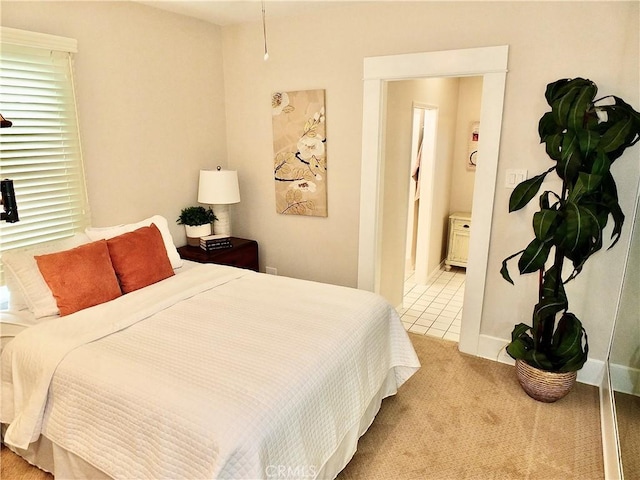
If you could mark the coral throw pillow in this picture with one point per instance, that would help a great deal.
(81, 277)
(139, 258)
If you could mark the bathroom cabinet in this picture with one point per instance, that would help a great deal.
(458, 244)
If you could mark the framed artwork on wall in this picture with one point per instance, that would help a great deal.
(472, 155)
(300, 152)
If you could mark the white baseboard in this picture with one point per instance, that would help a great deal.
(625, 379)
(494, 348)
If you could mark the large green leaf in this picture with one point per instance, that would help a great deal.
(628, 109)
(520, 330)
(594, 219)
(585, 184)
(553, 145)
(561, 96)
(575, 230)
(547, 309)
(568, 336)
(597, 224)
(610, 200)
(601, 164)
(555, 89)
(538, 359)
(504, 271)
(560, 87)
(588, 140)
(518, 349)
(545, 203)
(553, 287)
(544, 222)
(534, 256)
(525, 191)
(521, 341)
(570, 159)
(615, 136)
(569, 350)
(562, 106)
(548, 126)
(580, 105)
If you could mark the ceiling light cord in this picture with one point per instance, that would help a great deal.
(264, 33)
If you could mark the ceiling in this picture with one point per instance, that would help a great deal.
(231, 12)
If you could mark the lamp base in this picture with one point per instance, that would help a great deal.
(222, 226)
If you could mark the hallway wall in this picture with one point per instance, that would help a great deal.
(458, 101)
(462, 179)
(439, 92)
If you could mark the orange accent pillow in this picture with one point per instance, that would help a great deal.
(139, 258)
(81, 277)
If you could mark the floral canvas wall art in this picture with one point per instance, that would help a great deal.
(300, 152)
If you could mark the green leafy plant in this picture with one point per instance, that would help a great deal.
(583, 137)
(194, 216)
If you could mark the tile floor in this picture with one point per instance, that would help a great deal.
(436, 308)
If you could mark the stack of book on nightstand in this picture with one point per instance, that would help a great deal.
(215, 242)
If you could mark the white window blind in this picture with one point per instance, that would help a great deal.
(41, 152)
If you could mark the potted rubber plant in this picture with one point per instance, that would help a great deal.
(583, 136)
(197, 222)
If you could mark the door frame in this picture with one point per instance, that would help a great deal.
(491, 64)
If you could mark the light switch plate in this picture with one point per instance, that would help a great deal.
(514, 177)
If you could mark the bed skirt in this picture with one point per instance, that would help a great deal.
(54, 459)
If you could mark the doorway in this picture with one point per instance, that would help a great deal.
(442, 181)
(490, 63)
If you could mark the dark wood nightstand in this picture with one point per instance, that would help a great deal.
(243, 253)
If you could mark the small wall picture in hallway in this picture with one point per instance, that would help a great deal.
(474, 135)
(300, 152)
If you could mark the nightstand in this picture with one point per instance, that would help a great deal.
(243, 253)
(458, 245)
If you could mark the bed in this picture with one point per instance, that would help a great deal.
(211, 372)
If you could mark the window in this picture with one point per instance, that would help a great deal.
(41, 151)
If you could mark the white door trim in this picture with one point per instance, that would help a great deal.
(489, 62)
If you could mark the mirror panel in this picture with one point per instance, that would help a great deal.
(624, 362)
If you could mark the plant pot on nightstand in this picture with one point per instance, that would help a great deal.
(195, 232)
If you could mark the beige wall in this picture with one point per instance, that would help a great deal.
(547, 41)
(469, 102)
(150, 94)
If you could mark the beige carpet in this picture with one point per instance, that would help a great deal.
(627, 409)
(462, 417)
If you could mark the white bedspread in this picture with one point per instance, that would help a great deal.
(214, 373)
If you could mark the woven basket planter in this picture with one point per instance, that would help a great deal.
(542, 385)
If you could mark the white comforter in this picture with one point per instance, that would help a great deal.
(214, 373)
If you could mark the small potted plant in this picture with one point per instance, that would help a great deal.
(197, 223)
(583, 137)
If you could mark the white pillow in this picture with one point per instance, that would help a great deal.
(17, 301)
(27, 282)
(105, 233)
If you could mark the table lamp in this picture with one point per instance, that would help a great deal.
(219, 188)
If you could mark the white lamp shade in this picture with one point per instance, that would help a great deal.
(218, 187)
